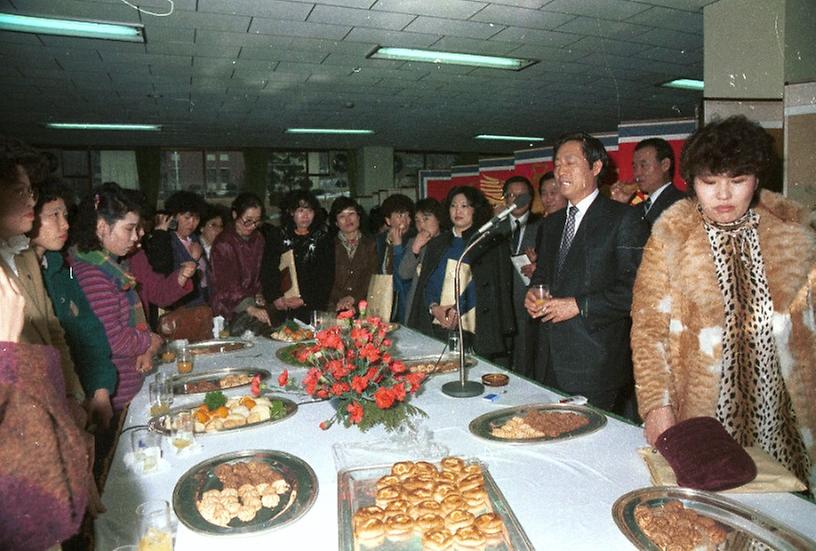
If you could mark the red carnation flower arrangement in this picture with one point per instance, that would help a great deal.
(351, 364)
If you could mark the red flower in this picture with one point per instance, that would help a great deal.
(256, 385)
(399, 391)
(322, 394)
(397, 367)
(324, 425)
(384, 398)
(363, 307)
(355, 411)
(387, 343)
(359, 384)
(370, 353)
(283, 378)
(415, 380)
(346, 314)
(339, 388)
(302, 354)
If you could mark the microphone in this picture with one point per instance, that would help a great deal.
(521, 201)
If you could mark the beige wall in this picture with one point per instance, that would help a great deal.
(744, 49)
(374, 171)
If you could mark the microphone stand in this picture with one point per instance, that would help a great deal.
(462, 388)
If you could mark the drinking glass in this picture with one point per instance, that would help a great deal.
(317, 320)
(146, 447)
(182, 433)
(155, 528)
(160, 392)
(184, 359)
(453, 341)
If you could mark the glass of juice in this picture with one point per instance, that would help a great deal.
(146, 447)
(182, 434)
(160, 393)
(184, 359)
(155, 528)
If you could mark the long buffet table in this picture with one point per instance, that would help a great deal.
(561, 492)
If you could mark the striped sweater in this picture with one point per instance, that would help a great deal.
(110, 304)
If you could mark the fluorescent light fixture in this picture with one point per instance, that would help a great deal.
(452, 58)
(327, 131)
(95, 126)
(508, 138)
(684, 84)
(71, 27)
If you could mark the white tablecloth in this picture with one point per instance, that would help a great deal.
(561, 492)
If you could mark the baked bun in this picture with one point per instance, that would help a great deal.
(403, 469)
(370, 530)
(399, 527)
(426, 507)
(442, 490)
(419, 495)
(424, 468)
(427, 522)
(491, 525)
(447, 476)
(476, 498)
(473, 468)
(388, 480)
(470, 481)
(397, 506)
(437, 540)
(419, 481)
(452, 502)
(388, 494)
(453, 464)
(470, 538)
(457, 519)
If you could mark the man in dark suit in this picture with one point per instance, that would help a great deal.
(520, 230)
(653, 168)
(588, 255)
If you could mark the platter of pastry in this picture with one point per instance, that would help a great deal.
(291, 331)
(220, 379)
(243, 492)
(432, 365)
(664, 518)
(219, 346)
(536, 423)
(452, 504)
(236, 413)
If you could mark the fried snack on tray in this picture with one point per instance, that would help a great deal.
(672, 527)
(540, 424)
(445, 366)
(426, 503)
(291, 332)
(248, 486)
(215, 348)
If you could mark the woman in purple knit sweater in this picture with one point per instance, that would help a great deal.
(107, 229)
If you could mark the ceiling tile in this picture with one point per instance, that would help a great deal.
(262, 25)
(351, 62)
(604, 9)
(666, 18)
(280, 54)
(661, 37)
(553, 39)
(344, 47)
(257, 8)
(536, 51)
(195, 20)
(453, 27)
(437, 68)
(72, 43)
(456, 9)
(473, 46)
(359, 18)
(392, 38)
(672, 55)
(311, 68)
(610, 45)
(521, 17)
(26, 39)
(168, 36)
(118, 12)
(202, 50)
(688, 5)
(591, 26)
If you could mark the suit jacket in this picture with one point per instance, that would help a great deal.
(667, 198)
(41, 325)
(490, 269)
(352, 276)
(590, 352)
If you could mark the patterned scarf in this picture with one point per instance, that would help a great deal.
(754, 405)
(123, 280)
(350, 244)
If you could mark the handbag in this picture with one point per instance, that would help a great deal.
(193, 323)
(704, 456)
(380, 296)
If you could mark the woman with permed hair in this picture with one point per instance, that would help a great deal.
(106, 229)
(301, 231)
(723, 303)
(355, 255)
(489, 292)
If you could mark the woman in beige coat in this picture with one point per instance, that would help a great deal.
(723, 308)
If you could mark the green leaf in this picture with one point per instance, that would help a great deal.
(214, 400)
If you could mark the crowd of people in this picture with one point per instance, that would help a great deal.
(659, 304)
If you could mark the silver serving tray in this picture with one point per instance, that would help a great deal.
(293, 504)
(180, 382)
(356, 487)
(470, 361)
(746, 525)
(219, 346)
(482, 425)
(161, 423)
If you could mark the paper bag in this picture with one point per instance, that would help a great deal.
(288, 274)
(448, 294)
(381, 296)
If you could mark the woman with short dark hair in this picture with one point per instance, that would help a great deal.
(488, 294)
(722, 309)
(302, 232)
(355, 255)
(235, 263)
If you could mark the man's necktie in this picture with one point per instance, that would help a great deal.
(516, 237)
(566, 237)
(647, 205)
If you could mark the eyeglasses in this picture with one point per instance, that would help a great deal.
(249, 223)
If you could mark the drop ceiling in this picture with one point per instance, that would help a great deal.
(237, 73)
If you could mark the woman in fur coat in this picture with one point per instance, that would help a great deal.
(723, 307)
